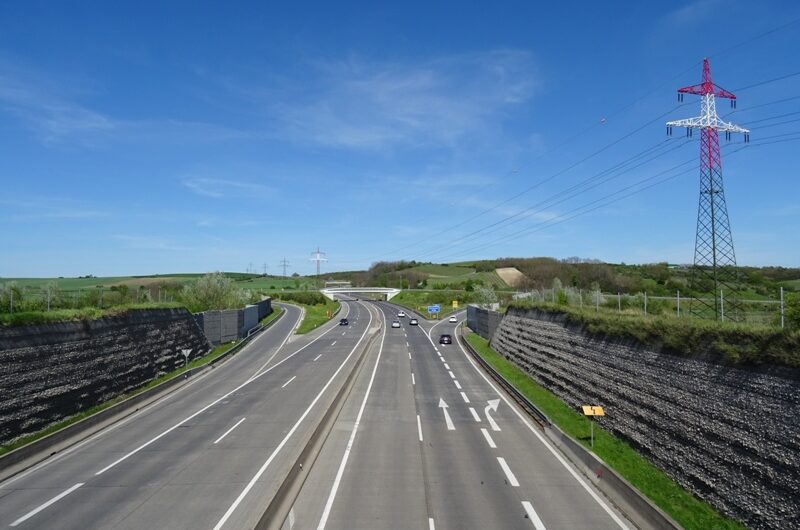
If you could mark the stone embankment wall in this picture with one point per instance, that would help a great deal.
(729, 434)
(52, 371)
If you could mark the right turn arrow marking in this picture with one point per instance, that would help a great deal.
(493, 404)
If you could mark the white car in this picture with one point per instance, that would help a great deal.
(452, 319)
(401, 314)
(396, 324)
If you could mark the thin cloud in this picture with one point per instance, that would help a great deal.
(225, 188)
(358, 104)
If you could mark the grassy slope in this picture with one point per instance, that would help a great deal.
(86, 313)
(420, 300)
(689, 511)
(316, 315)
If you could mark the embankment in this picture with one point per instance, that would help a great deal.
(730, 434)
(53, 371)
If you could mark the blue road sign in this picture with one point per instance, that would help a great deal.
(433, 309)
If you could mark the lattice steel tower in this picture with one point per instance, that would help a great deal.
(714, 268)
(318, 257)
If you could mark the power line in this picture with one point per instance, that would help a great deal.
(766, 82)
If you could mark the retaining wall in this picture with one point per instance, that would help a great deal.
(729, 434)
(52, 371)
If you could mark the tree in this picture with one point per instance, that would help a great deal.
(51, 293)
(792, 310)
(484, 296)
(213, 291)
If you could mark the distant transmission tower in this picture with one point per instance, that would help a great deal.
(284, 264)
(714, 268)
(319, 257)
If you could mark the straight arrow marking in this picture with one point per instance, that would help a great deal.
(447, 419)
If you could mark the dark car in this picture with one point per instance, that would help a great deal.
(344, 322)
(445, 339)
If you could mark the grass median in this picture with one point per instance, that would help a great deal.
(691, 512)
(316, 315)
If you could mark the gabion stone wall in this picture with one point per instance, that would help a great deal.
(52, 371)
(729, 434)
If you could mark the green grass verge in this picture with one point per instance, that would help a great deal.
(316, 315)
(276, 312)
(25, 440)
(689, 511)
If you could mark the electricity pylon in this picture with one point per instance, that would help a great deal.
(714, 258)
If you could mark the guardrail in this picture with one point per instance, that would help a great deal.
(31, 454)
(532, 410)
(626, 498)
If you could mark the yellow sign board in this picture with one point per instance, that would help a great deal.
(455, 304)
(589, 410)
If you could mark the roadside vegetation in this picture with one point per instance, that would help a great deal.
(735, 343)
(686, 509)
(318, 309)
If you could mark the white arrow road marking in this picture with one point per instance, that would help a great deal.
(447, 419)
(533, 516)
(493, 404)
(45, 505)
(507, 470)
(489, 439)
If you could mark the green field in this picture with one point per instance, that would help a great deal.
(449, 274)
(689, 511)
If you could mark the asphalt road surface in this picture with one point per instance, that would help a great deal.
(426, 441)
(206, 455)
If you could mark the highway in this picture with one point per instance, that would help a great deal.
(424, 440)
(205, 456)
(427, 441)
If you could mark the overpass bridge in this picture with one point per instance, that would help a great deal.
(331, 292)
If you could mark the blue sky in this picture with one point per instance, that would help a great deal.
(142, 138)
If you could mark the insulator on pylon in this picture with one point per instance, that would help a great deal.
(669, 131)
(680, 97)
(747, 138)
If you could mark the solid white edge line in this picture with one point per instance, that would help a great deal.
(507, 470)
(288, 336)
(340, 472)
(157, 403)
(280, 446)
(541, 438)
(46, 504)
(475, 414)
(218, 440)
(464, 397)
(489, 439)
(225, 396)
(289, 381)
(533, 516)
(419, 427)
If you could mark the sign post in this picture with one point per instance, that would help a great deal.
(591, 411)
(434, 309)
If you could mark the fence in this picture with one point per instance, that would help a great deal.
(765, 311)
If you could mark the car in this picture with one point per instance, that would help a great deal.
(401, 314)
(445, 339)
(413, 322)
(344, 322)
(396, 324)
(452, 319)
